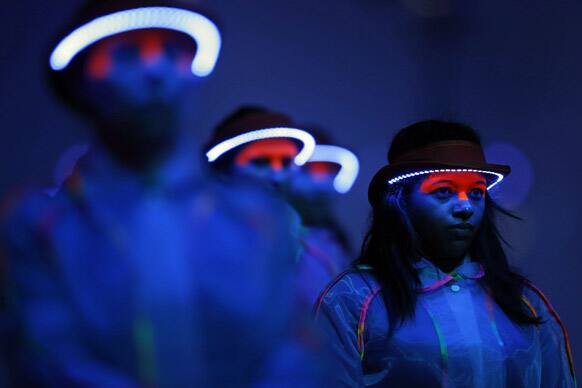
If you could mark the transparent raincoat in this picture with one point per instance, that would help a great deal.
(459, 337)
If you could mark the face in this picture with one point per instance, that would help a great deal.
(315, 180)
(446, 209)
(268, 160)
(138, 70)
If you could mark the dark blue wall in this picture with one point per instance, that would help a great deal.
(364, 68)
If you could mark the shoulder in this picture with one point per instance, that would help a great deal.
(538, 302)
(25, 208)
(552, 326)
(352, 308)
(353, 290)
(29, 217)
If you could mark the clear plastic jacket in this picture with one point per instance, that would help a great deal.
(459, 337)
(322, 258)
(119, 285)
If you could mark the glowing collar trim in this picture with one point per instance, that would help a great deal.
(424, 172)
(197, 26)
(268, 133)
(350, 167)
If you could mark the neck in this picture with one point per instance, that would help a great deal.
(446, 264)
(141, 144)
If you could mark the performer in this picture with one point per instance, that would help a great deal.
(139, 272)
(331, 171)
(256, 144)
(432, 300)
(101, 272)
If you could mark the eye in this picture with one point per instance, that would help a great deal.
(260, 162)
(126, 52)
(172, 50)
(476, 193)
(442, 192)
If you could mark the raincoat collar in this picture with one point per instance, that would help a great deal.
(432, 278)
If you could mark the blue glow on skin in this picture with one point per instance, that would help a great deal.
(307, 187)
(134, 86)
(432, 214)
(268, 161)
(279, 178)
(200, 28)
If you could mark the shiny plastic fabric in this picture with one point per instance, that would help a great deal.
(459, 337)
(170, 283)
(322, 258)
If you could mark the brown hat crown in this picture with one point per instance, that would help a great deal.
(432, 145)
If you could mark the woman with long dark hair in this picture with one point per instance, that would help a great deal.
(432, 300)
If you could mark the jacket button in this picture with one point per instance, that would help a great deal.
(455, 288)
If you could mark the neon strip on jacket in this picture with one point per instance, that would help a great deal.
(200, 28)
(267, 133)
(350, 167)
(417, 173)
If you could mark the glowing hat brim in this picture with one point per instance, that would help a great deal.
(390, 175)
(350, 167)
(204, 32)
(268, 133)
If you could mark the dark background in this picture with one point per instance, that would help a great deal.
(363, 69)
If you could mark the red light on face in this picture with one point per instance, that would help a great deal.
(99, 63)
(151, 47)
(321, 170)
(275, 152)
(460, 183)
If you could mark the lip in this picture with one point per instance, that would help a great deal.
(464, 226)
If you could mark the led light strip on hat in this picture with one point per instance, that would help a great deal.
(350, 167)
(200, 28)
(267, 133)
(424, 172)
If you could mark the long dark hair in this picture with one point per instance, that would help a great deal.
(391, 245)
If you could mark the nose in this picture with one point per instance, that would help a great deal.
(152, 50)
(277, 164)
(463, 209)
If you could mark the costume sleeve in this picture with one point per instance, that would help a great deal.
(347, 313)
(557, 364)
(52, 353)
(339, 327)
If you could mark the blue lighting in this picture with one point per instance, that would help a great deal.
(268, 133)
(200, 28)
(350, 167)
(424, 172)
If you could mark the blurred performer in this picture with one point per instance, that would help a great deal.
(330, 171)
(94, 267)
(266, 147)
(131, 274)
(259, 145)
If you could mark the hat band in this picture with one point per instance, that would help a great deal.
(349, 163)
(268, 133)
(495, 177)
(464, 152)
(201, 29)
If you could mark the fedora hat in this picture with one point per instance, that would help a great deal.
(439, 156)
